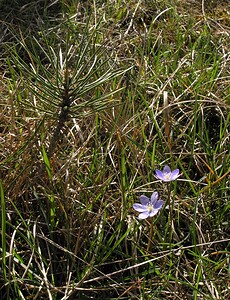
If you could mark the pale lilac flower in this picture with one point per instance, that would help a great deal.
(167, 175)
(148, 207)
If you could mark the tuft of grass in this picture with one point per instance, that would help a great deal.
(93, 101)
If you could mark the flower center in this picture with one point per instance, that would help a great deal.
(167, 176)
(150, 207)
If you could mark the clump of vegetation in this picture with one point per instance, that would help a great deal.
(100, 101)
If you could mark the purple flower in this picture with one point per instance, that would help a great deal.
(148, 207)
(167, 175)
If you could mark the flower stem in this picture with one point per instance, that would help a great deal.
(169, 223)
(170, 215)
(150, 236)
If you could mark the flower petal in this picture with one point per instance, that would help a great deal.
(154, 198)
(153, 212)
(158, 205)
(166, 169)
(175, 174)
(139, 207)
(144, 200)
(160, 175)
(144, 215)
